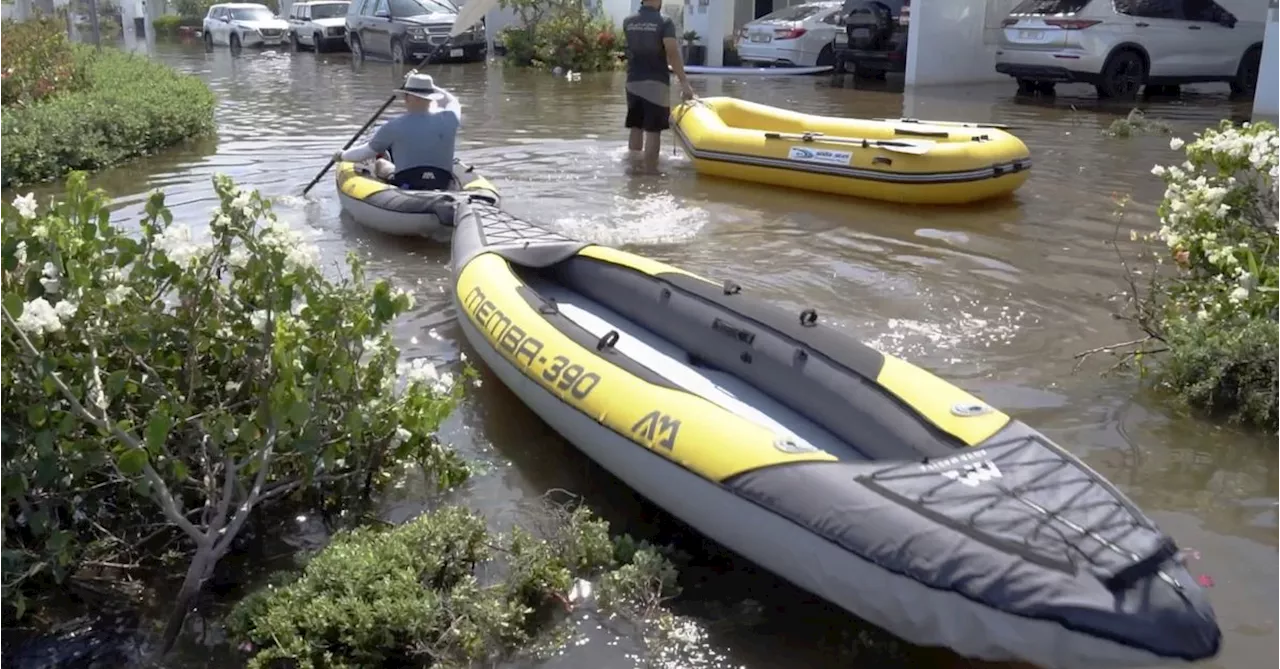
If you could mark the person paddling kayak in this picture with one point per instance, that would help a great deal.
(421, 141)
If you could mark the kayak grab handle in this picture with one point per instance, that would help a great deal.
(809, 318)
(1125, 578)
(731, 288)
(608, 340)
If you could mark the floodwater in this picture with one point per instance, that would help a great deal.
(996, 297)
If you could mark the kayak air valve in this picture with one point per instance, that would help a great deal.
(808, 318)
(731, 288)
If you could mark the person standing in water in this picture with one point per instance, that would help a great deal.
(651, 47)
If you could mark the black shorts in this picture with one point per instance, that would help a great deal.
(647, 115)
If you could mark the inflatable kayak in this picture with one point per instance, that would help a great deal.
(854, 474)
(898, 161)
(376, 204)
(756, 71)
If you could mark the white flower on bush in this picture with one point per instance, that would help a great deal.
(259, 320)
(1216, 205)
(49, 281)
(26, 205)
(20, 253)
(421, 370)
(40, 317)
(177, 243)
(400, 436)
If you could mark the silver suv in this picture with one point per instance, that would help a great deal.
(320, 25)
(1121, 45)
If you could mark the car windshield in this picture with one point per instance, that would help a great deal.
(419, 7)
(793, 13)
(251, 14)
(1049, 7)
(329, 11)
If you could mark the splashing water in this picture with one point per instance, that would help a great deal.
(650, 219)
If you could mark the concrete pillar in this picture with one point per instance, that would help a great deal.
(22, 10)
(150, 10)
(954, 41)
(489, 33)
(719, 18)
(1265, 102)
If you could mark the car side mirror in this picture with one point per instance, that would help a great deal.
(1227, 20)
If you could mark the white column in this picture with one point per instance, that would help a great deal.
(150, 9)
(489, 31)
(717, 13)
(1265, 102)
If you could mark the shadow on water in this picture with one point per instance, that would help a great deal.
(996, 297)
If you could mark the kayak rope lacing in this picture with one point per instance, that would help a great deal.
(1054, 530)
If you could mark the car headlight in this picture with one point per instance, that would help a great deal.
(417, 33)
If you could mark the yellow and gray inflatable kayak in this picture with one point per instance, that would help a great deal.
(376, 204)
(898, 161)
(852, 473)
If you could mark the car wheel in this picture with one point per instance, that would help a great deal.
(1027, 87)
(235, 42)
(357, 49)
(826, 57)
(1123, 75)
(397, 52)
(208, 41)
(1046, 88)
(293, 42)
(318, 41)
(1246, 81)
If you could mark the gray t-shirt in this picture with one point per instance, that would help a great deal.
(423, 139)
(646, 55)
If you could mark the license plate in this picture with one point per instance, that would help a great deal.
(761, 37)
(860, 32)
(842, 38)
(455, 53)
(1030, 34)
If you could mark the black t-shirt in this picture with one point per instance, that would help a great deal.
(646, 56)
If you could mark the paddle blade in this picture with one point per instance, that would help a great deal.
(470, 14)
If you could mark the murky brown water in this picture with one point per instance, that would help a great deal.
(995, 297)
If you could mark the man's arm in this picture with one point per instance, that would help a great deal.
(673, 56)
(381, 141)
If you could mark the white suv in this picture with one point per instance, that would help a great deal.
(1121, 45)
(238, 24)
(320, 25)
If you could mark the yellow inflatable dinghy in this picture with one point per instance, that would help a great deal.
(899, 160)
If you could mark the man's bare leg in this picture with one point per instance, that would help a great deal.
(652, 146)
(636, 143)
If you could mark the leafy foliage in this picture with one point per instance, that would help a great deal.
(1214, 308)
(162, 385)
(128, 106)
(562, 33)
(38, 62)
(412, 596)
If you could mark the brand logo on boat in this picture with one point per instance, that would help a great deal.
(975, 474)
(789, 444)
(823, 156)
(966, 409)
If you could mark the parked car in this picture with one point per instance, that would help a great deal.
(320, 25)
(873, 37)
(410, 30)
(237, 24)
(1121, 45)
(800, 35)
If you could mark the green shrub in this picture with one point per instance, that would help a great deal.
(38, 62)
(130, 106)
(167, 25)
(150, 374)
(412, 596)
(1214, 307)
(561, 34)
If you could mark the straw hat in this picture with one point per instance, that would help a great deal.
(421, 85)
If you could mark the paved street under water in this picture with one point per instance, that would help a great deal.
(996, 297)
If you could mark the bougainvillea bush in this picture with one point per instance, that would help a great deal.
(1210, 300)
(38, 62)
